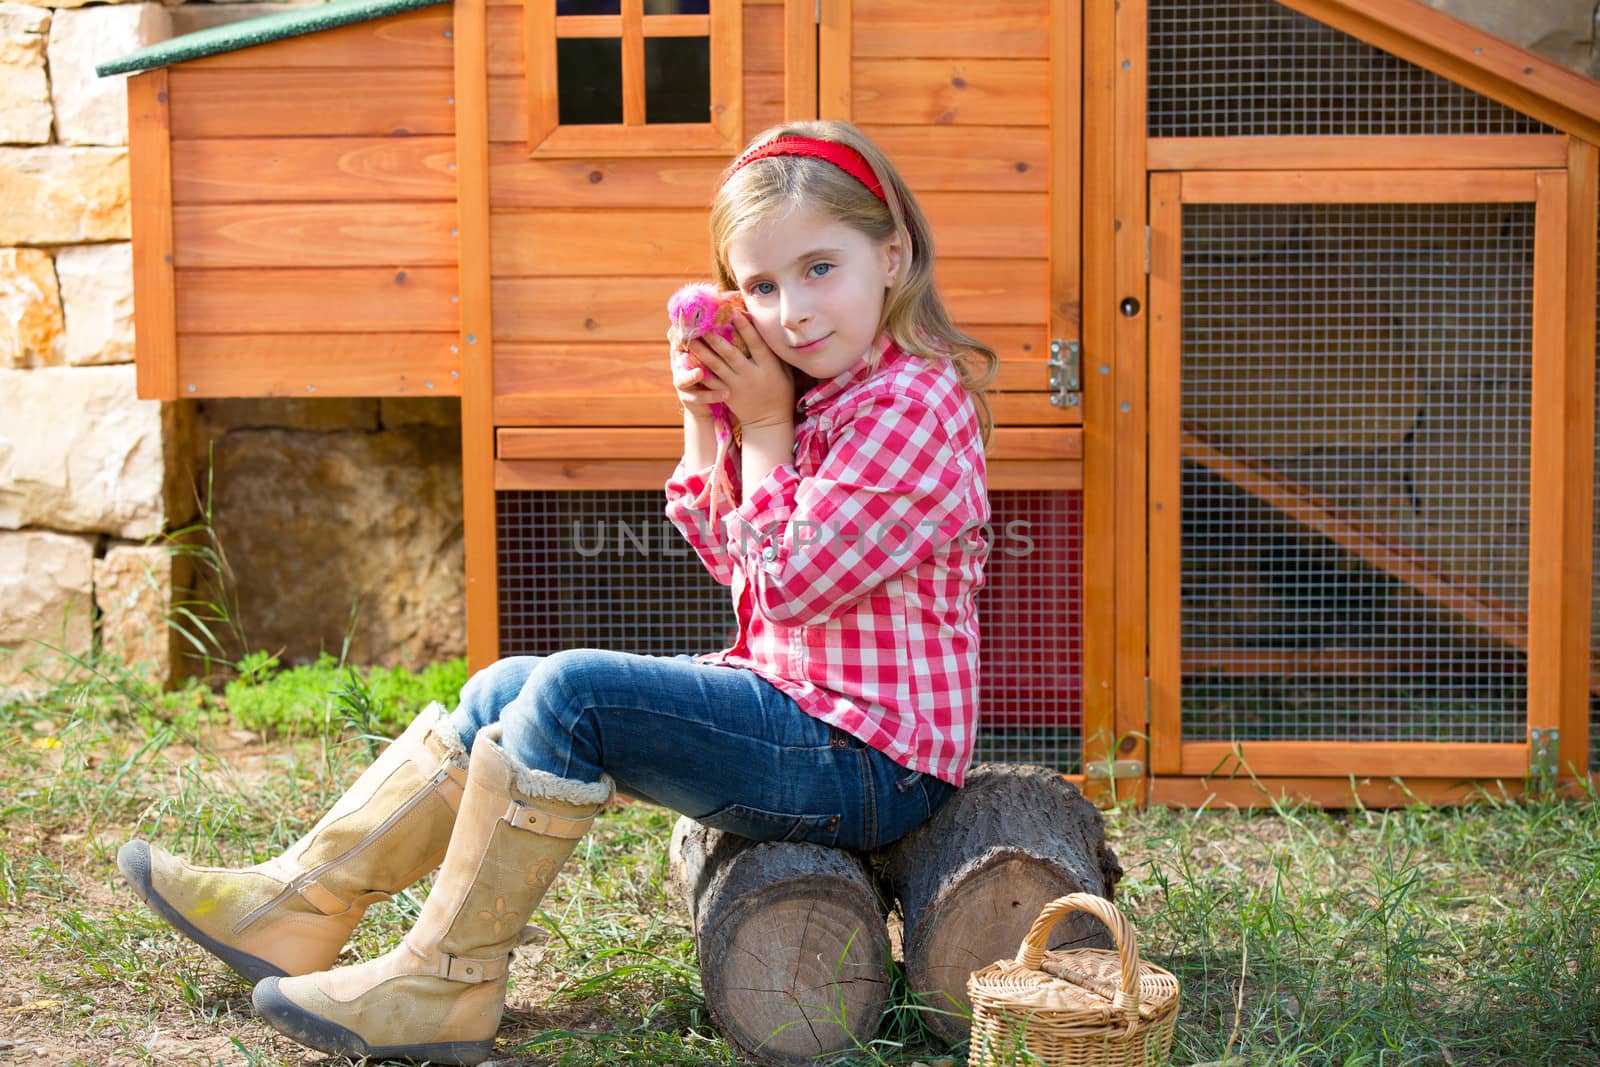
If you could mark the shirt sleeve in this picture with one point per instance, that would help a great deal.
(684, 488)
(890, 491)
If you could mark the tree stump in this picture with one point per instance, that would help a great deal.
(792, 941)
(973, 878)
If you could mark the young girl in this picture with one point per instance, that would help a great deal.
(843, 714)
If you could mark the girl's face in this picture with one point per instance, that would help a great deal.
(814, 288)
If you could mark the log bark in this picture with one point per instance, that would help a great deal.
(792, 941)
(973, 878)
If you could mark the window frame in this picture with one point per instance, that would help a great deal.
(719, 135)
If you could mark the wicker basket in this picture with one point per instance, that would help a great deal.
(1078, 1008)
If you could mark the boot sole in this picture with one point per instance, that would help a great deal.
(313, 1031)
(133, 860)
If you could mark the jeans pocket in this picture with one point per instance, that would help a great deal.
(762, 825)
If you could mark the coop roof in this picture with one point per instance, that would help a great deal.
(296, 22)
(1520, 79)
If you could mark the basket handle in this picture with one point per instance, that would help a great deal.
(1031, 953)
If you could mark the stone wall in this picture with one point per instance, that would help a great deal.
(317, 506)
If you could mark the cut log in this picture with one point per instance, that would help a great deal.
(792, 940)
(972, 879)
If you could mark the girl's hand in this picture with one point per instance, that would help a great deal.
(697, 390)
(758, 387)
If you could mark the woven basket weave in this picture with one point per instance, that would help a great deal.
(1076, 1008)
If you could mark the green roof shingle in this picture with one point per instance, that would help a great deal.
(296, 22)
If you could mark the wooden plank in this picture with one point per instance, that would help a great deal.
(835, 60)
(508, 109)
(1026, 474)
(1314, 759)
(301, 103)
(534, 100)
(989, 225)
(1577, 663)
(632, 62)
(600, 242)
(628, 308)
(1358, 187)
(1360, 537)
(412, 40)
(1099, 570)
(1333, 793)
(981, 92)
(590, 442)
(244, 170)
(515, 181)
(999, 29)
(150, 194)
(1379, 152)
(1166, 475)
(507, 42)
(1129, 331)
(358, 234)
(476, 340)
(797, 56)
(1064, 202)
(1547, 515)
(763, 103)
(764, 42)
(588, 474)
(1031, 409)
(1011, 159)
(1026, 443)
(319, 365)
(1000, 292)
(727, 73)
(629, 384)
(316, 300)
(655, 139)
(1464, 54)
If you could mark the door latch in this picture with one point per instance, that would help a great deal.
(1064, 364)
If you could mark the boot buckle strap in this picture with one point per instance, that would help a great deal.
(322, 898)
(471, 971)
(524, 817)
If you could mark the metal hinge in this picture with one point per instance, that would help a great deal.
(1116, 769)
(1064, 364)
(1544, 750)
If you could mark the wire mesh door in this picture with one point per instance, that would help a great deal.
(1342, 442)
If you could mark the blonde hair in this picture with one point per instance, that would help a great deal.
(913, 315)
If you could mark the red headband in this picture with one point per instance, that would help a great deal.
(842, 156)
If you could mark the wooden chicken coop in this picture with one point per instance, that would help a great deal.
(1293, 476)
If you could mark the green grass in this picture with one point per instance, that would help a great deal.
(1417, 936)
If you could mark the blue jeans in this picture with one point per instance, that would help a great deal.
(719, 744)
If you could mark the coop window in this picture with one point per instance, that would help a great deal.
(633, 77)
(1254, 68)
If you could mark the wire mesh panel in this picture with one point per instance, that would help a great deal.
(1030, 614)
(605, 569)
(1356, 391)
(1253, 68)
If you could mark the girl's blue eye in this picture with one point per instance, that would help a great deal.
(763, 288)
(819, 269)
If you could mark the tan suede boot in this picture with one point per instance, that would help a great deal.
(439, 995)
(293, 914)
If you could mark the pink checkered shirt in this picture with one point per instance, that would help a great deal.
(853, 569)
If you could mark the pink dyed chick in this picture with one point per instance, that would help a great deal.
(695, 311)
